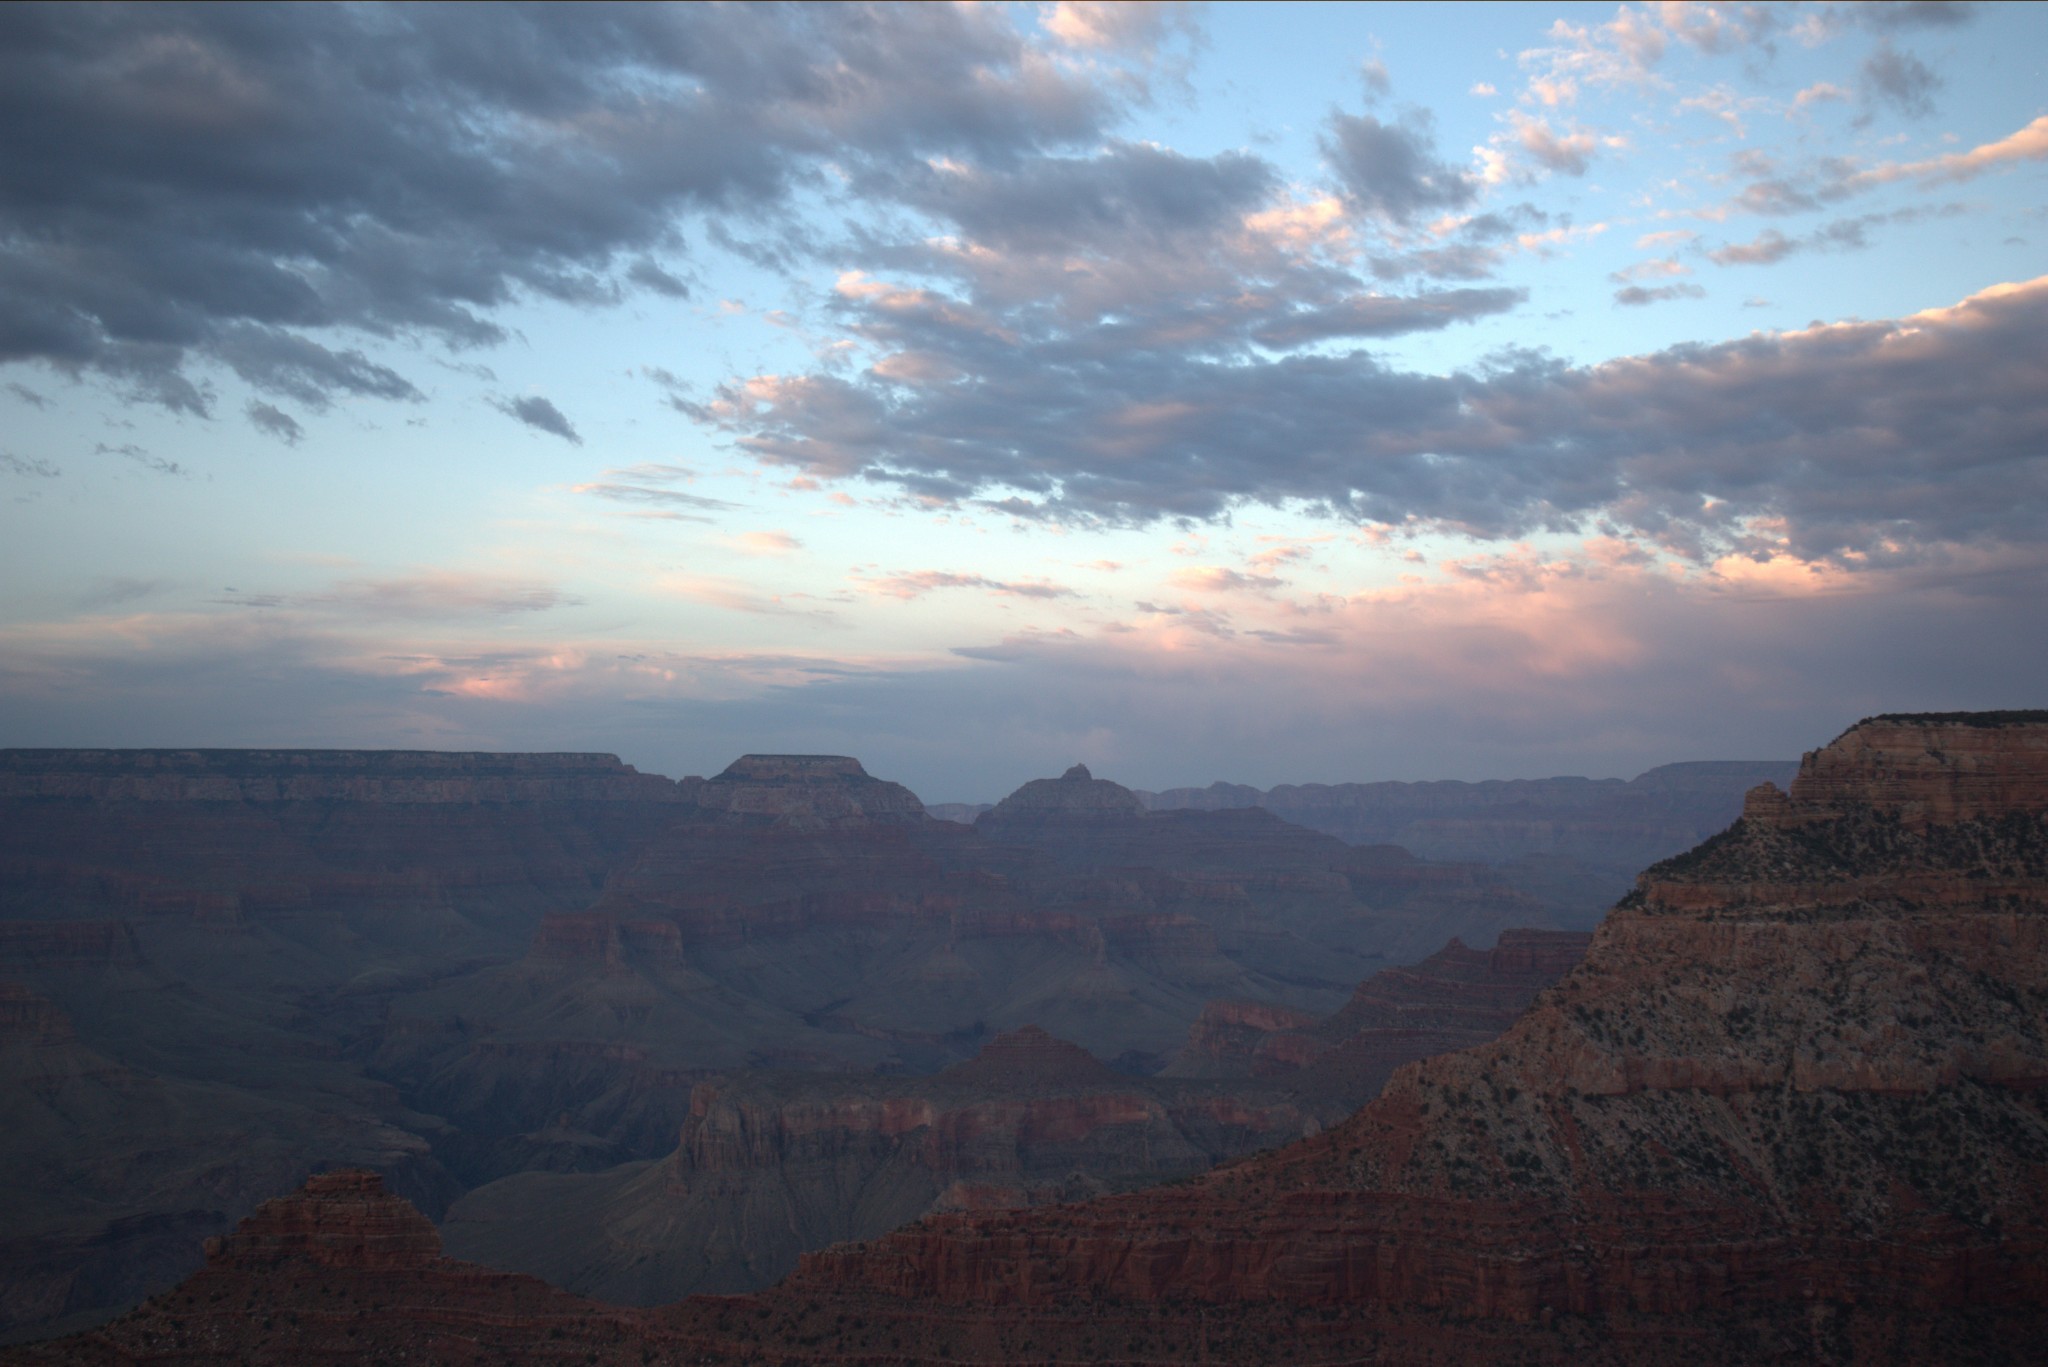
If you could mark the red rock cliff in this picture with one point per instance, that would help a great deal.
(1798, 1078)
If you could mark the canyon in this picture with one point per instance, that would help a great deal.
(555, 979)
(1788, 1106)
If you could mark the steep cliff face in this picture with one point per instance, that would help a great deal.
(768, 1166)
(1456, 998)
(1796, 1083)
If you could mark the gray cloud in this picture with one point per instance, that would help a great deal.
(420, 597)
(1123, 194)
(651, 485)
(1636, 296)
(212, 183)
(1853, 443)
(1844, 234)
(540, 415)
(1387, 315)
(141, 457)
(20, 465)
(1831, 18)
(27, 395)
(1900, 80)
(1393, 169)
(275, 421)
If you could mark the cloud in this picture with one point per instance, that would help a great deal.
(1092, 25)
(1830, 180)
(1655, 268)
(1392, 169)
(1219, 579)
(917, 583)
(1570, 153)
(1822, 22)
(1534, 665)
(2027, 144)
(1841, 438)
(27, 395)
(1899, 79)
(1843, 234)
(214, 186)
(649, 487)
(540, 415)
(275, 422)
(131, 451)
(1379, 315)
(432, 595)
(764, 543)
(1820, 92)
(1636, 296)
(646, 273)
(730, 594)
(33, 468)
(1373, 75)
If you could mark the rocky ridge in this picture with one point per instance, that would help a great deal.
(1573, 840)
(381, 776)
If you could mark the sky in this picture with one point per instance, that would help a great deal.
(1265, 394)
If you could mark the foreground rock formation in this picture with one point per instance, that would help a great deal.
(1790, 1107)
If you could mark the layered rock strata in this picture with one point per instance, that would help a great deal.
(1790, 1107)
(1577, 842)
(1454, 999)
(769, 1166)
(1796, 1085)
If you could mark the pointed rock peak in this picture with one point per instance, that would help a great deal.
(1074, 793)
(1031, 1055)
(344, 1218)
